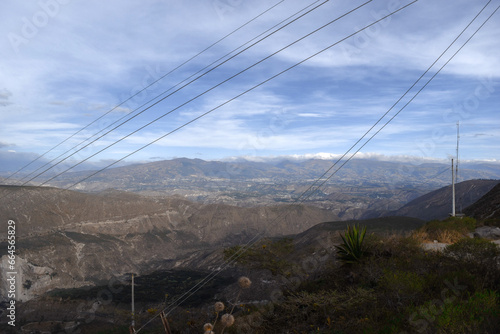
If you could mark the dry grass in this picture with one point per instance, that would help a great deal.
(449, 236)
(421, 236)
(447, 231)
(444, 236)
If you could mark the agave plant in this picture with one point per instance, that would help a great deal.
(352, 248)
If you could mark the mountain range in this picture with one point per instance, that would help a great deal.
(361, 189)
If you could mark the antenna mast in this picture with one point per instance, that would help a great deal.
(454, 174)
(458, 138)
(452, 190)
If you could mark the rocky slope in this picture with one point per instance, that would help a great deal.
(309, 252)
(70, 239)
(487, 207)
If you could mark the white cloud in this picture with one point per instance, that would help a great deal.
(335, 156)
(314, 115)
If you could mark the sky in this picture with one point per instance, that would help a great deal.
(70, 69)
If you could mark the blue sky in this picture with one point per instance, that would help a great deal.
(64, 63)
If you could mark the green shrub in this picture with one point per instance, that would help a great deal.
(403, 282)
(352, 249)
(392, 246)
(452, 223)
(332, 311)
(397, 286)
(476, 251)
(468, 316)
(492, 222)
(452, 275)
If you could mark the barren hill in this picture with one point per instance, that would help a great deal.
(437, 204)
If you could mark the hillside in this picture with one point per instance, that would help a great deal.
(135, 233)
(487, 208)
(300, 282)
(188, 270)
(437, 204)
(71, 239)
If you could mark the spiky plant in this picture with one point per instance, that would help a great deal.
(352, 248)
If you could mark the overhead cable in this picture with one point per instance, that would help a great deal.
(183, 104)
(231, 260)
(156, 97)
(145, 88)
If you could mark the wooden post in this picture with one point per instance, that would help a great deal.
(164, 321)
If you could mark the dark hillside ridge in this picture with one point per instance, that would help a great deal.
(437, 204)
(487, 207)
(377, 225)
(324, 236)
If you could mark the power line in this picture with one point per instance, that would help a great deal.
(257, 237)
(145, 88)
(155, 98)
(190, 100)
(418, 92)
(394, 105)
(150, 122)
(227, 101)
(206, 91)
